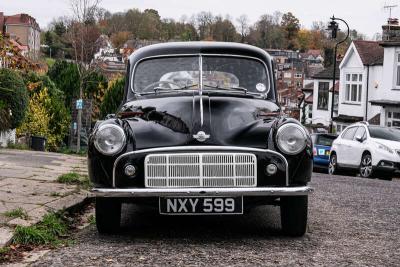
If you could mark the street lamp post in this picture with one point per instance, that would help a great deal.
(334, 27)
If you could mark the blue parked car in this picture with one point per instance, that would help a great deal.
(322, 143)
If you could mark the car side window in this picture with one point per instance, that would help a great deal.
(360, 132)
(349, 133)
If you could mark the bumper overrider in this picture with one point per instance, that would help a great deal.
(280, 190)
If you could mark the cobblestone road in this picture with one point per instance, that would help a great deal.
(352, 222)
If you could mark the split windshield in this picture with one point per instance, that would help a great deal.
(218, 73)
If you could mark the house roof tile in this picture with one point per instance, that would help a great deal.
(371, 52)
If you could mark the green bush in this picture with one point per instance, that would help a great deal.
(113, 97)
(13, 97)
(50, 105)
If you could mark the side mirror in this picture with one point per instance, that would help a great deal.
(359, 138)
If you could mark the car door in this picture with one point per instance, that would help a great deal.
(344, 151)
(356, 147)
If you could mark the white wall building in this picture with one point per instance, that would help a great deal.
(322, 98)
(388, 97)
(360, 81)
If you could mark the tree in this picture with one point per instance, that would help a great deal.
(204, 21)
(291, 26)
(223, 30)
(243, 26)
(118, 39)
(304, 39)
(113, 97)
(13, 98)
(66, 78)
(82, 28)
(267, 32)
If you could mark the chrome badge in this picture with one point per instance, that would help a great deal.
(201, 136)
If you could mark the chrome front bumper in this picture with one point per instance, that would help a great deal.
(165, 192)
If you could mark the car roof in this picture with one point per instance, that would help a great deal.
(200, 47)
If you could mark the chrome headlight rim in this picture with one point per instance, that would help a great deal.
(279, 132)
(123, 142)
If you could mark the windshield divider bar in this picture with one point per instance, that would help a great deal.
(201, 89)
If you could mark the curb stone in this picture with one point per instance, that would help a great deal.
(70, 202)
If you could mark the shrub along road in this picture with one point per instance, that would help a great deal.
(352, 221)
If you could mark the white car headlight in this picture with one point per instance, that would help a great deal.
(386, 148)
(109, 139)
(291, 138)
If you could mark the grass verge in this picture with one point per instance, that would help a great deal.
(74, 178)
(17, 146)
(17, 213)
(68, 151)
(47, 232)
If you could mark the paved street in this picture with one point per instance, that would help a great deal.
(352, 222)
(28, 182)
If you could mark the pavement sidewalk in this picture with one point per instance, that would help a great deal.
(28, 181)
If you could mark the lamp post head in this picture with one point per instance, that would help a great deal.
(333, 27)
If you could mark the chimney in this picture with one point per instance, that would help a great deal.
(391, 31)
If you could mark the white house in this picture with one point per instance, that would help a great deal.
(387, 100)
(322, 97)
(360, 82)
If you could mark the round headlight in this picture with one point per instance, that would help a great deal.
(291, 138)
(109, 139)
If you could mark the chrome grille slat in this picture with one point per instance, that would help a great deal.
(201, 170)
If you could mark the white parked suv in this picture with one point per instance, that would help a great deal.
(372, 150)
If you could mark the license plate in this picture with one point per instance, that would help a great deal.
(200, 205)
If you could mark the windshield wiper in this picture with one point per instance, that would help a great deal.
(166, 90)
(233, 88)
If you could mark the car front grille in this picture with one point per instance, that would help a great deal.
(201, 170)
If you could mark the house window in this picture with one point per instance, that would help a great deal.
(353, 85)
(323, 95)
(393, 119)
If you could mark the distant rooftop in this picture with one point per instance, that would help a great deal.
(19, 19)
(327, 73)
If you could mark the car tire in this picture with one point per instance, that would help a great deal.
(108, 215)
(366, 170)
(294, 215)
(333, 167)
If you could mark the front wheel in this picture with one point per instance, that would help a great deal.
(366, 166)
(108, 215)
(294, 215)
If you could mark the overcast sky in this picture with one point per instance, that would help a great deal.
(366, 16)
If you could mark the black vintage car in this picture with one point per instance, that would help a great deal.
(200, 131)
